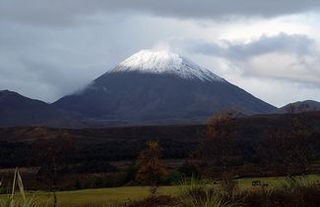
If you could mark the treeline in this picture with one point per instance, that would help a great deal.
(247, 146)
(24, 154)
(290, 148)
(18, 145)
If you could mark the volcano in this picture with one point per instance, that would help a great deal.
(159, 87)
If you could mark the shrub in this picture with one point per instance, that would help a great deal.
(187, 169)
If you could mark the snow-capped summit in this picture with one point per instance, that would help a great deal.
(159, 87)
(165, 61)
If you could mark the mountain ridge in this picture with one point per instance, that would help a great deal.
(18, 110)
(299, 107)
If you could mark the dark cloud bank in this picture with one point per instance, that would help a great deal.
(61, 12)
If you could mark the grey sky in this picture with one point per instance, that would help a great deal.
(270, 48)
(67, 11)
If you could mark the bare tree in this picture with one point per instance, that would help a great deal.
(51, 153)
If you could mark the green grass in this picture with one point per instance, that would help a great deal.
(82, 198)
(101, 196)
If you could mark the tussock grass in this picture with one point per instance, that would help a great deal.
(196, 193)
(10, 200)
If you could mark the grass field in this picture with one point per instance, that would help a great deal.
(92, 197)
(100, 196)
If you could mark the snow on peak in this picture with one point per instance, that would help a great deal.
(164, 61)
(147, 59)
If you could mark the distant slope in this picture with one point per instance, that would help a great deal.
(17, 110)
(299, 107)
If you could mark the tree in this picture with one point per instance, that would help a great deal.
(216, 147)
(51, 153)
(151, 169)
(289, 150)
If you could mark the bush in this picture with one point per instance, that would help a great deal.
(187, 169)
(173, 178)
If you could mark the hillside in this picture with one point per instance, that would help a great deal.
(18, 110)
(299, 107)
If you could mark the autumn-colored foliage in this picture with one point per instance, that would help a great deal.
(151, 168)
(216, 148)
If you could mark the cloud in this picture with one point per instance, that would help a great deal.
(277, 92)
(66, 12)
(285, 57)
(48, 63)
(284, 67)
(282, 43)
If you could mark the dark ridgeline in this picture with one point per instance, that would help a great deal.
(18, 110)
(299, 107)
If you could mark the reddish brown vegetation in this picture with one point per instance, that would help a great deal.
(151, 168)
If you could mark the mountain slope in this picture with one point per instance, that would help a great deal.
(159, 87)
(299, 107)
(17, 110)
